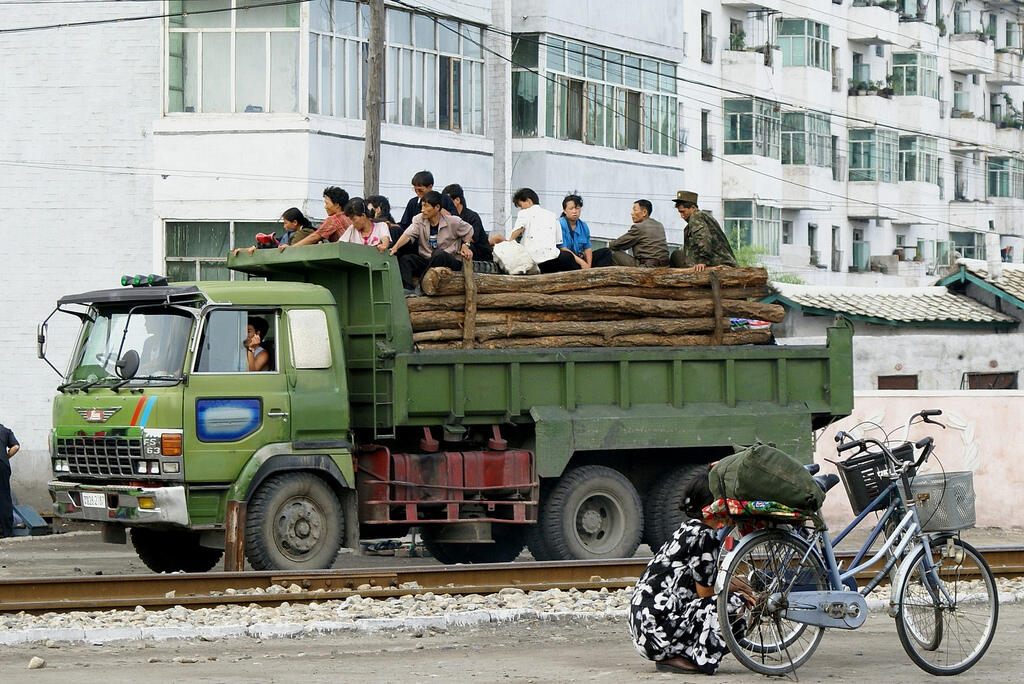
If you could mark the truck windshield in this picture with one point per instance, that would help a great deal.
(159, 336)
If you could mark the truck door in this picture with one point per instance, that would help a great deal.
(230, 411)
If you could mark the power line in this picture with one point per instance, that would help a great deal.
(145, 17)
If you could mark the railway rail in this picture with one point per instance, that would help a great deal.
(157, 592)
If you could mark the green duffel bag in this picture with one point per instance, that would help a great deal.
(763, 473)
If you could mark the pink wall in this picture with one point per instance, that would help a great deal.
(983, 435)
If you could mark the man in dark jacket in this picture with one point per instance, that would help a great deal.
(8, 447)
(645, 239)
(704, 243)
(422, 183)
(481, 248)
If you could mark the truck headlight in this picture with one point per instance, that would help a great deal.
(141, 467)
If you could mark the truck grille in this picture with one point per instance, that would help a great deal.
(99, 456)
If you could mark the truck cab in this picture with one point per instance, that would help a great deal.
(159, 420)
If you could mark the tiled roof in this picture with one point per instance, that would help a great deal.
(903, 305)
(1010, 280)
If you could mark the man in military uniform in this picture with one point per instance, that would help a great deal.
(645, 239)
(704, 243)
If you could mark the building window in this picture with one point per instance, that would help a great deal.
(873, 155)
(197, 250)
(707, 152)
(338, 53)
(525, 100)
(919, 159)
(990, 381)
(806, 139)
(608, 98)
(434, 73)
(969, 244)
(1005, 177)
(915, 74)
(749, 224)
(261, 43)
(897, 382)
(707, 41)
(753, 126)
(804, 43)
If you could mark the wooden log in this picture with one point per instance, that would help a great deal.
(234, 536)
(716, 302)
(678, 293)
(660, 308)
(435, 320)
(565, 341)
(607, 329)
(443, 281)
(469, 325)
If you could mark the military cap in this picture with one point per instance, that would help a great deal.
(685, 196)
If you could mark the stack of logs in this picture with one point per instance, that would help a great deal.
(601, 307)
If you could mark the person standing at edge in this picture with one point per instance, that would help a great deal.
(440, 241)
(646, 238)
(336, 223)
(704, 243)
(8, 447)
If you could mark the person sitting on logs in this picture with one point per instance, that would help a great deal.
(539, 232)
(364, 230)
(704, 242)
(481, 248)
(440, 241)
(646, 239)
(575, 231)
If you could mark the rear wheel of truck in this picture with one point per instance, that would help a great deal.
(592, 512)
(662, 515)
(293, 522)
(509, 541)
(536, 540)
(173, 550)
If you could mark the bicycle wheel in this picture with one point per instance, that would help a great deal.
(761, 638)
(946, 626)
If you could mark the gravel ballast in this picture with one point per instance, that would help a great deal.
(427, 611)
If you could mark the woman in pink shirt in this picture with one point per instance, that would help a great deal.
(364, 231)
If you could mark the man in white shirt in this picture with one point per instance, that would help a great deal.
(540, 232)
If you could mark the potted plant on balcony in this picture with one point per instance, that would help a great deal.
(888, 4)
(736, 40)
(872, 87)
(940, 24)
(890, 86)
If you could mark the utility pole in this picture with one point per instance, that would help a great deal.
(374, 99)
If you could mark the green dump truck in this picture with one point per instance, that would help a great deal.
(353, 434)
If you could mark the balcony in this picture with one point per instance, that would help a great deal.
(971, 215)
(872, 25)
(872, 200)
(920, 32)
(971, 132)
(803, 187)
(752, 171)
(1009, 138)
(748, 66)
(875, 107)
(1009, 69)
(753, 5)
(971, 53)
(918, 113)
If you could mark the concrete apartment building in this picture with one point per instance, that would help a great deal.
(821, 134)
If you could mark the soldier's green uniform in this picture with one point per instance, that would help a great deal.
(703, 240)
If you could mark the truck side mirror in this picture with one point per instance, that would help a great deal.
(128, 365)
(41, 340)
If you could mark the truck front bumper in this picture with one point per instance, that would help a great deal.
(119, 503)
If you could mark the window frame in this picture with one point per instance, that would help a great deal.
(273, 313)
(762, 119)
(198, 261)
(877, 145)
(760, 223)
(816, 45)
(813, 132)
(919, 159)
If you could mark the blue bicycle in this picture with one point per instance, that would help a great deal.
(942, 592)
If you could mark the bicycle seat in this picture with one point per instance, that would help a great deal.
(812, 468)
(827, 482)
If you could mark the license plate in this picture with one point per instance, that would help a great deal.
(94, 500)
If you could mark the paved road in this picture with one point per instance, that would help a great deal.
(519, 652)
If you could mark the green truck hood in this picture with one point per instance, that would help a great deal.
(102, 410)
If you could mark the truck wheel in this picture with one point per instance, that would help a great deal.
(509, 541)
(536, 540)
(173, 550)
(293, 522)
(662, 516)
(592, 512)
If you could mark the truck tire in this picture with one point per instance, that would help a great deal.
(536, 541)
(509, 541)
(173, 550)
(592, 512)
(662, 516)
(294, 521)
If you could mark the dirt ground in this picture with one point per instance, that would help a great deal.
(564, 651)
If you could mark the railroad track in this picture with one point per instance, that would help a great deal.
(157, 592)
